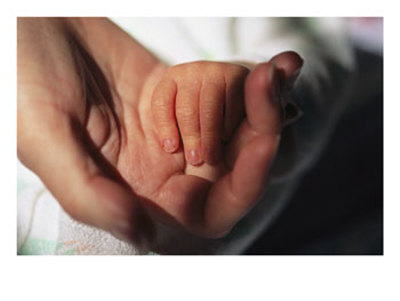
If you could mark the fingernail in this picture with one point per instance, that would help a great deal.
(292, 79)
(193, 156)
(271, 71)
(168, 145)
(274, 82)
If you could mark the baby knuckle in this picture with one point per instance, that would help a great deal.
(209, 136)
(186, 112)
(159, 103)
(208, 115)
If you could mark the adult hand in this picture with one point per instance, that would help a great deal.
(85, 127)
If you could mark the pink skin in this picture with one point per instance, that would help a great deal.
(189, 104)
(85, 127)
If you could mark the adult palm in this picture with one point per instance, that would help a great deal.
(85, 127)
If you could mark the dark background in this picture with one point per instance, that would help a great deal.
(338, 207)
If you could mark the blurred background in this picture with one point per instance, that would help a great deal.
(349, 219)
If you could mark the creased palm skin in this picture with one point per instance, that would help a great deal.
(85, 127)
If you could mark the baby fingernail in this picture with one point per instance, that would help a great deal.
(168, 145)
(193, 157)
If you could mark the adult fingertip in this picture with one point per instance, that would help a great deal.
(288, 60)
(291, 80)
(290, 63)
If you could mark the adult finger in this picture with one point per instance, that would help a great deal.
(75, 176)
(263, 115)
(236, 193)
(232, 196)
(255, 146)
(289, 65)
(264, 90)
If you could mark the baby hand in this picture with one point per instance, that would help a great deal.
(201, 102)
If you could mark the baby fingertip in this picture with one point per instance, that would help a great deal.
(193, 157)
(169, 145)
